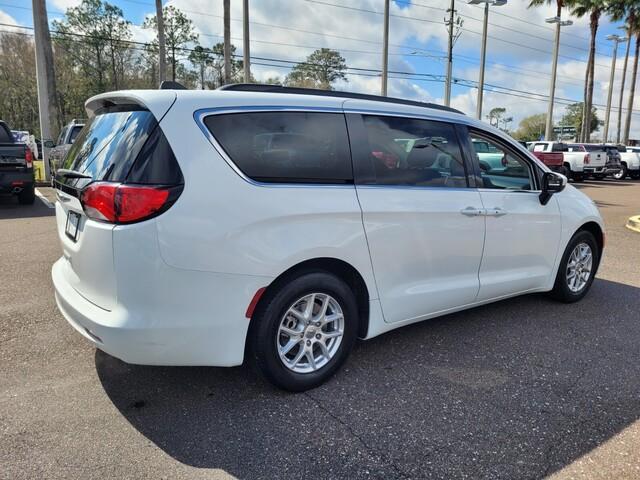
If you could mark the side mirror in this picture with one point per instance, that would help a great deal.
(551, 183)
(48, 144)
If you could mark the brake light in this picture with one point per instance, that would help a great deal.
(117, 203)
(586, 159)
(28, 157)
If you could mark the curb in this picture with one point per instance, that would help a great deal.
(634, 223)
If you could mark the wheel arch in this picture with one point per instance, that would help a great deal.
(596, 230)
(341, 269)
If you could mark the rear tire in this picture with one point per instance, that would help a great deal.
(572, 283)
(577, 177)
(286, 344)
(622, 174)
(27, 196)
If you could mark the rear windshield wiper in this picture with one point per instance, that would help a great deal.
(71, 173)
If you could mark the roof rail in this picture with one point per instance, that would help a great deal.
(259, 87)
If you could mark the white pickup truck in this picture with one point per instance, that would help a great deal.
(578, 160)
(630, 162)
(594, 160)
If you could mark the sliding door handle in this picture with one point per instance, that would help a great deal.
(472, 211)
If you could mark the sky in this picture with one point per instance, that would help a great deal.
(519, 47)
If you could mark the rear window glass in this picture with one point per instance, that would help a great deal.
(4, 135)
(592, 148)
(74, 133)
(108, 144)
(286, 146)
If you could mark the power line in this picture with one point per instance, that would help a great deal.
(509, 42)
(351, 70)
(416, 19)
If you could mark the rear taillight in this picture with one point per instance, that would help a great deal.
(586, 159)
(118, 203)
(28, 157)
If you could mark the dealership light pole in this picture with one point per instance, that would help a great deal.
(483, 54)
(616, 39)
(552, 89)
(385, 51)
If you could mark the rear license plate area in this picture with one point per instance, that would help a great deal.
(71, 228)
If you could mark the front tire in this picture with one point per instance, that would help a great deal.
(577, 268)
(304, 330)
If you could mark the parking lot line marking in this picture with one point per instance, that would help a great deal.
(44, 199)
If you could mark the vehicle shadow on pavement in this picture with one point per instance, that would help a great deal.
(516, 389)
(11, 209)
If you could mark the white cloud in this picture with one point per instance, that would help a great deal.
(9, 20)
(64, 4)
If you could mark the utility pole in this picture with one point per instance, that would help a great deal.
(227, 41)
(46, 79)
(624, 77)
(616, 39)
(162, 60)
(385, 50)
(447, 88)
(483, 53)
(554, 69)
(245, 39)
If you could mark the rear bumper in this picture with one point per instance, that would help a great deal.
(9, 181)
(604, 170)
(215, 337)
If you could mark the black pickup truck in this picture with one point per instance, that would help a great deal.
(16, 167)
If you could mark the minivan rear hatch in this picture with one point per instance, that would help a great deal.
(119, 142)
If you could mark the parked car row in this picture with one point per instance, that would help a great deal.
(580, 160)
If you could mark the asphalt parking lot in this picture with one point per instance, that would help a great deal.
(520, 389)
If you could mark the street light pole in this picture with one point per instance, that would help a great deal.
(616, 39)
(385, 50)
(483, 53)
(552, 89)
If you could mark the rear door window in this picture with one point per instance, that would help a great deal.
(289, 147)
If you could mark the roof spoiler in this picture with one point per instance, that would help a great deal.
(170, 85)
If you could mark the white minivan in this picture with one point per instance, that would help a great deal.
(279, 225)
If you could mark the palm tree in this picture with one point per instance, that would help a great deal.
(629, 11)
(593, 8)
(559, 4)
